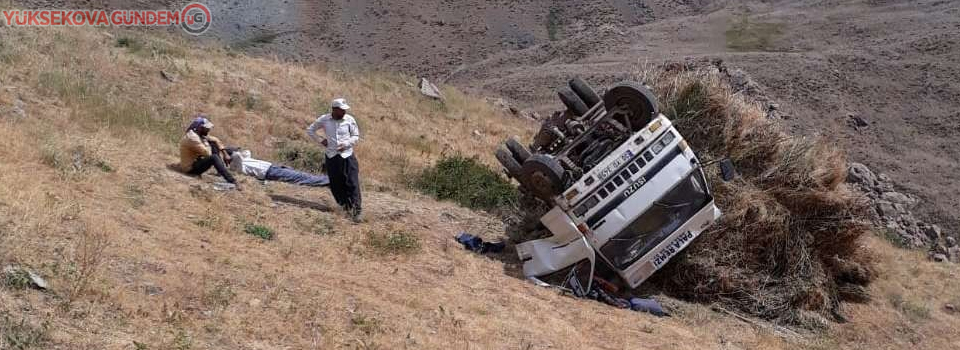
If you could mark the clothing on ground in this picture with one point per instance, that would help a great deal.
(344, 176)
(339, 133)
(477, 245)
(284, 174)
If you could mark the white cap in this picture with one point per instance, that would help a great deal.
(206, 123)
(340, 103)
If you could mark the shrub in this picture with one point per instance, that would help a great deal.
(394, 242)
(133, 44)
(17, 279)
(259, 231)
(299, 155)
(467, 182)
(22, 335)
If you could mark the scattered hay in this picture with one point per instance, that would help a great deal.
(788, 245)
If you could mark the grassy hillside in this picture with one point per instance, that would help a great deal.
(140, 257)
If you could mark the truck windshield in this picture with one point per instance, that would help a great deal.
(664, 217)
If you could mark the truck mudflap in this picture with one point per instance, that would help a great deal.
(658, 257)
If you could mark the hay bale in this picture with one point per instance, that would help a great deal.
(788, 246)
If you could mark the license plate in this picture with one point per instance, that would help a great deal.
(672, 249)
(610, 169)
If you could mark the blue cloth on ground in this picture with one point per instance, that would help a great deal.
(647, 305)
(477, 245)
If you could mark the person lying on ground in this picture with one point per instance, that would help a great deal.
(199, 151)
(242, 162)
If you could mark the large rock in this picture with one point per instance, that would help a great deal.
(861, 174)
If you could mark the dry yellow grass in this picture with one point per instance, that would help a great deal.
(137, 254)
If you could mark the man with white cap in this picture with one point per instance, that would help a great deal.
(341, 135)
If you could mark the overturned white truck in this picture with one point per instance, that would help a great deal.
(624, 186)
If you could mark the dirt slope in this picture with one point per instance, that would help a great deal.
(136, 254)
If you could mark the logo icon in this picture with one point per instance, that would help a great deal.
(196, 18)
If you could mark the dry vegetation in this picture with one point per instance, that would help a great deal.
(139, 257)
(790, 244)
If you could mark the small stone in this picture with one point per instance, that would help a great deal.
(950, 307)
(856, 121)
(171, 77)
(887, 210)
(951, 242)
(224, 186)
(428, 89)
(939, 257)
(38, 282)
(255, 302)
(933, 232)
(953, 254)
(900, 208)
(152, 290)
(477, 133)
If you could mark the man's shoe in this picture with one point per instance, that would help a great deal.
(357, 217)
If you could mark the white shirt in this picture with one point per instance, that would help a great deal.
(243, 163)
(339, 133)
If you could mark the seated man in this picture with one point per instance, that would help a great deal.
(243, 162)
(199, 151)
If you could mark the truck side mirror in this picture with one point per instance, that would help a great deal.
(727, 171)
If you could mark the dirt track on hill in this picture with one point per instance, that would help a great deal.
(894, 63)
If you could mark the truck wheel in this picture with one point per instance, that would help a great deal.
(506, 159)
(543, 176)
(587, 94)
(573, 102)
(520, 153)
(635, 100)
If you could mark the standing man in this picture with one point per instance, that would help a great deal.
(341, 135)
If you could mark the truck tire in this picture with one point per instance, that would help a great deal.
(587, 94)
(520, 153)
(542, 175)
(573, 102)
(636, 100)
(506, 159)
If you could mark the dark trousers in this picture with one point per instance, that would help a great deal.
(203, 164)
(345, 181)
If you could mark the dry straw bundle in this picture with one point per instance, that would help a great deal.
(788, 246)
